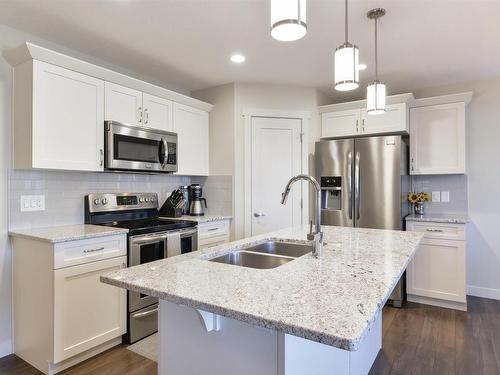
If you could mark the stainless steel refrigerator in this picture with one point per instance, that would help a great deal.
(364, 183)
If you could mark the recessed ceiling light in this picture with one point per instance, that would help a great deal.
(237, 58)
(362, 66)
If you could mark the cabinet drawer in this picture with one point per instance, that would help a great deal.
(72, 253)
(213, 241)
(439, 230)
(213, 229)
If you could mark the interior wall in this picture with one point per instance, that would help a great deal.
(11, 38)
(483, 176)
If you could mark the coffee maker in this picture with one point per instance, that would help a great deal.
(195, 199)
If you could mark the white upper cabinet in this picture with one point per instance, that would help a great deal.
(123, 104)
(351, 119)
(437, 139)
(394, 120)
(158, 112)
(191, 126)
(340, 123)
(58, 118)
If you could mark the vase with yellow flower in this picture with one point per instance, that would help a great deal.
(418, 200)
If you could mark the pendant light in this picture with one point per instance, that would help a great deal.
(375, 93)
(288, 20)
(346, 63)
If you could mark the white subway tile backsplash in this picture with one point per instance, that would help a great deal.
(454, 185)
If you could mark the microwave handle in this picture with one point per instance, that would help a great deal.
(163, 152)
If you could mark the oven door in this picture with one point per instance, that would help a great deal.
(144, 249)
(139, 149)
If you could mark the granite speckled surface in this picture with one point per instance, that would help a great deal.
(332, 300)
(440, 218)
(66, 232)
(200, 219)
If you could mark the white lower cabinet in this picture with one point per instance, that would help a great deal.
(436, 275)
(87, 313)
(213, 233)
(63, 313)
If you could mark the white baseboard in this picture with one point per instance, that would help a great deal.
(462, 306)
(479, 291)
(5, 348)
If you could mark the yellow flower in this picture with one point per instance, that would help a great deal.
(413, 197)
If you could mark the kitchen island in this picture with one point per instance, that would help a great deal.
(307, 316)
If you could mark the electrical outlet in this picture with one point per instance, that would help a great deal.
(32, 202)
(436, 196)
(445, 196)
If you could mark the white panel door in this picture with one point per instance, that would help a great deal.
(394, 120)
(158, 112)
(87, 312)
(123, 104)
(276, 157)
(438, 270)
(191, 126)
(340, 123)
(437, 139)
(68, 119)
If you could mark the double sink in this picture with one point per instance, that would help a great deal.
(266, 255)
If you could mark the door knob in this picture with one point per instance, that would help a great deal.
(258, 214)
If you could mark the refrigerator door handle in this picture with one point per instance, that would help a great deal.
(349, 182)
(357, 185)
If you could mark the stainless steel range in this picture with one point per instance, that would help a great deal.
(150, 238)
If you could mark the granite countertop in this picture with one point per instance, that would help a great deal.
(451, 218)
(66, 232)
(332, 300)
(200, 219)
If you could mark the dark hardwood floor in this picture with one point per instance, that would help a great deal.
(418, 339)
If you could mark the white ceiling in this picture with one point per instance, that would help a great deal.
(187, 43)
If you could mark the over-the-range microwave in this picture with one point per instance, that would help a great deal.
(139, 149)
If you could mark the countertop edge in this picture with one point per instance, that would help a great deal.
(23, 235)
(451, 219)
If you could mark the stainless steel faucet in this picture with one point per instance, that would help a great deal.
(317, 236)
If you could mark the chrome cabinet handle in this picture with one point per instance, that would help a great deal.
(145, 314)
(363, 125)
(412, 166)
(212, 229)
(146, 116)
(349, 183)
(140, 114)
(357, 184)
(434, 230)
(259, 214)
(357, 126)
(93, 250)
(101, 156)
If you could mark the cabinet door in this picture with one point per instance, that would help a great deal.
(87, 312)
(68, 119)
(191, 126)
(340, 124)
(123, 104)
(394, 120)
(438, 270)
(157, 112)
(437, 139)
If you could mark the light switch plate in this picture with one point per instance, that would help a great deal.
(32, 202)
(436, 196)
(445, 196)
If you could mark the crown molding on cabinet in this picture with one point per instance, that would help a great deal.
(30, 51)
(393, 99)
(465, 97)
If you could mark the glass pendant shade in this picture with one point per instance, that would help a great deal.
(346, 67)
(288, 20)
(375, 98)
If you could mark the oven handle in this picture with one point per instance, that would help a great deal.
(149, 239)
(145, 314)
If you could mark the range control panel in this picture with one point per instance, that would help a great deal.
(121, 201)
